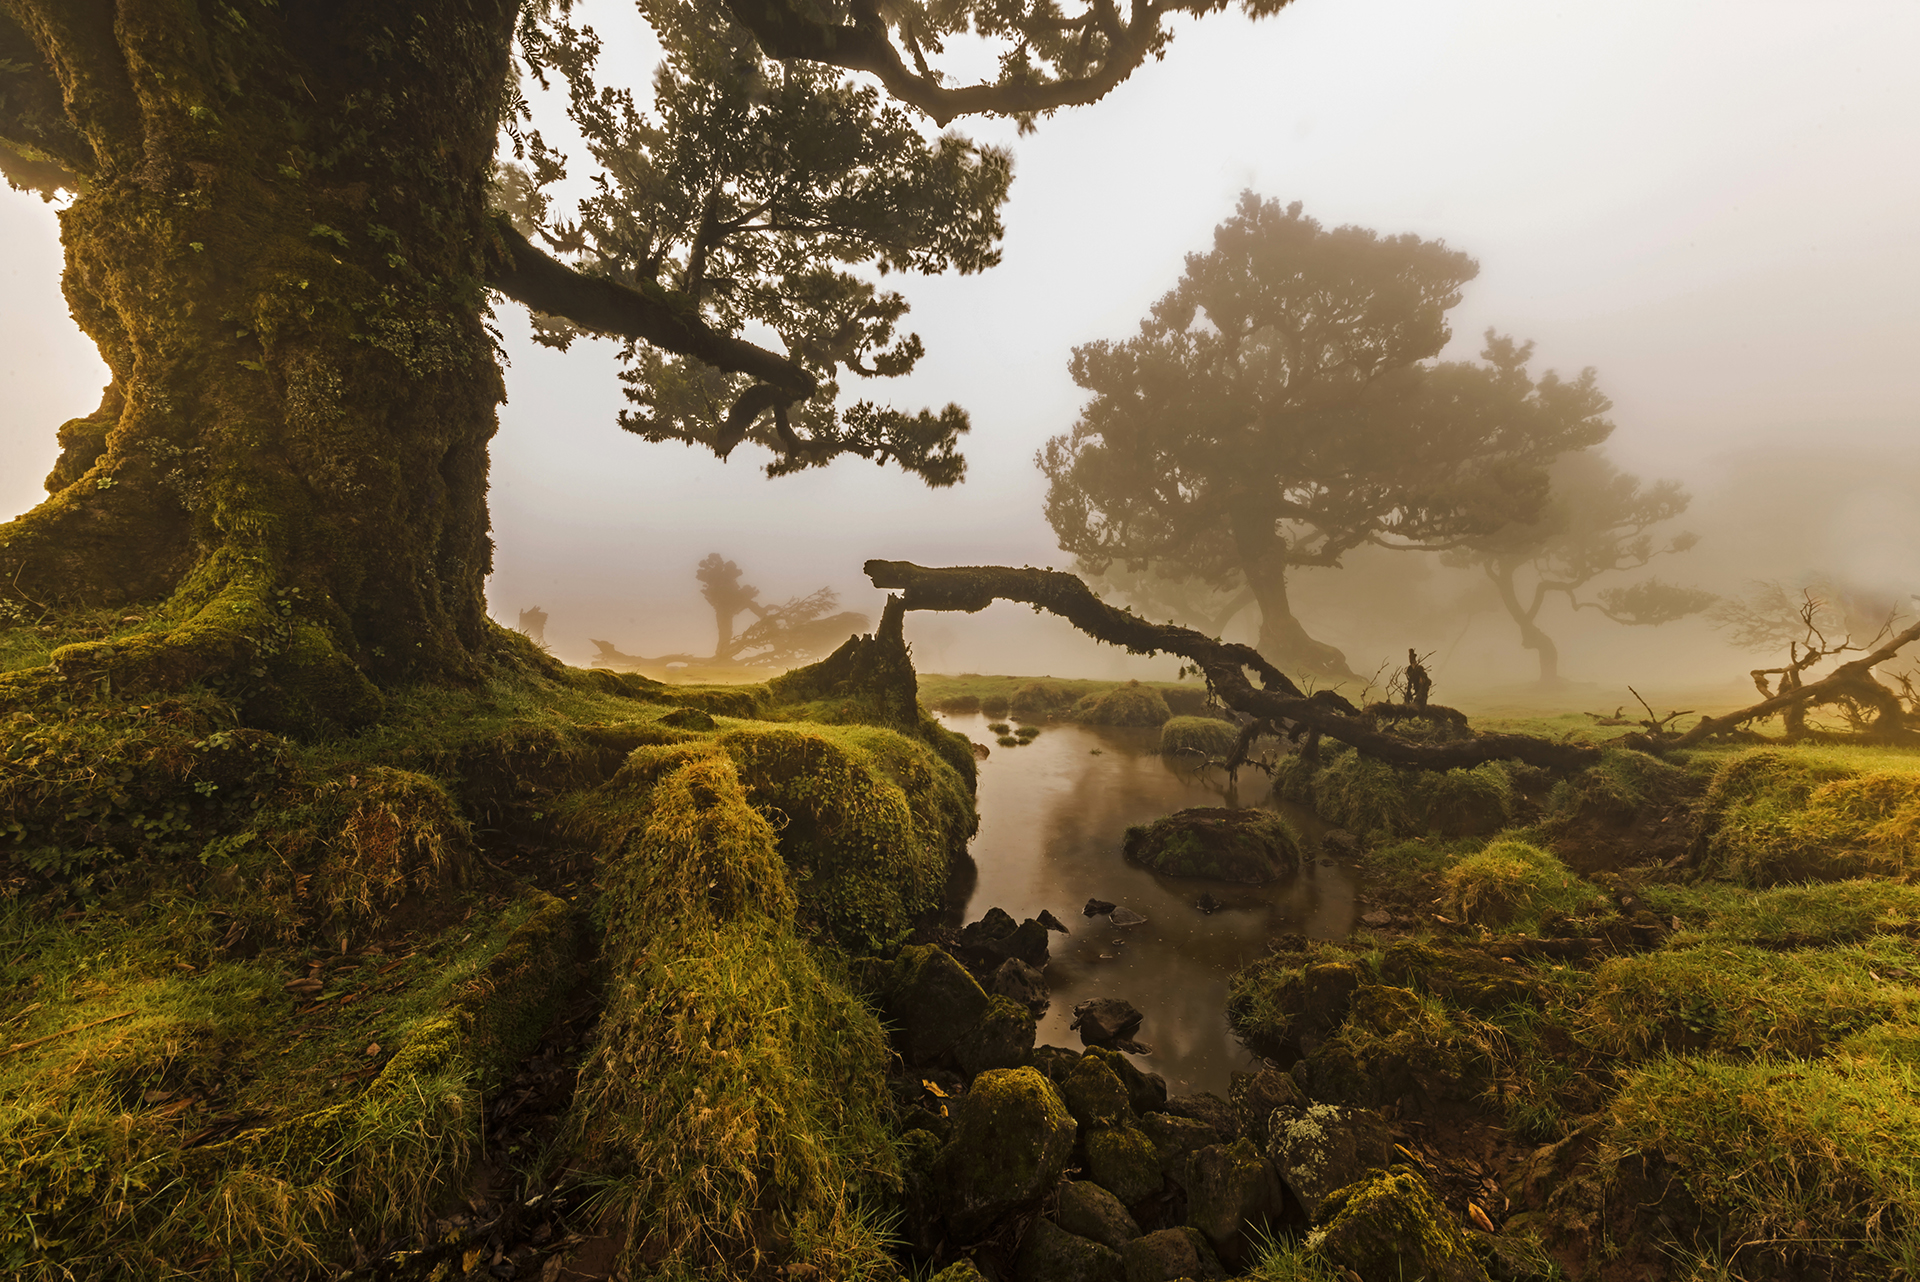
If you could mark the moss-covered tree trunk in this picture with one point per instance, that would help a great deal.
(280, 248)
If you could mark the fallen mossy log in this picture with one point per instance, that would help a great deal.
(1853, 681)
(974, 587)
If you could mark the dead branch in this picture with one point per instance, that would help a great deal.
(1852, 680)
(974, 588)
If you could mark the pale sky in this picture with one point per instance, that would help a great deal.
(1713, 203)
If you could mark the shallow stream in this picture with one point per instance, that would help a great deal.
(1052, 816)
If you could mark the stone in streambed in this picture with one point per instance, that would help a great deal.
(1257, 1094)
(1122, 1158)
(1170, 1254)
(1019, 982)
(1093, 1212)
(931, 1000)
(1012, 1136)
(1207, 1107)
(1218, 843)
(1388, 1225)
(1146, 1092)
(1105, 1020)
(1176, 1139)
(1050, 1253)
(1231, 1191)
(1322, 1148)
(1001, 1038)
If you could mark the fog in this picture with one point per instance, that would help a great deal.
(1711, 203)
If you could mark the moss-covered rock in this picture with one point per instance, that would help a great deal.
(960, 1271)
(1132, 704)
(1248, 847)
(1171, 1254)
(1176, 1139)
(1282, 1002)
(1396, 1047)
(1146, 1091)
(932, 1001)
(1388, 1225)
(1050, 1253)
(1094, 1212)
(1012, 1136)
(1256, 1096)
(1322, 1148)
(1122, 1159)
(1232, 1192)
(1002, 1038)
(1094, 1094)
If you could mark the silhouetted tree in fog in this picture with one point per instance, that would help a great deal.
(1596, 522)
(1276, 411)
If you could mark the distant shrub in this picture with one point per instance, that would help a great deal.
(1036, 699)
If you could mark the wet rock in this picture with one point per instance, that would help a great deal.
(931, 1000)
(1003, 1038)
(984, 944)
(1388, 1224)
(1050, 1253)
(1257, 1094)
(1322, 1148)
(1176, 1139)
(1248, 847)
(1122, 1159)
(1012, 1136)
(1209, 1108)
(1146, 1092)
(1231, 1190)
(1055, 1062)
(1094, 1094)
(1097, 907)
(1208, 904)
(1093, 1212)
(1019, 982)
(1104, 1021)
(1313, 1001)
(1051, 922)
(1376, 917)
(1170, 1254)
(1126, 917)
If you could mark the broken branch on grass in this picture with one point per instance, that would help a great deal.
(77, 1028)
(973, 588)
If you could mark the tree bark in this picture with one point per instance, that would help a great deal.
(1531, 637)
(281, 249)
(1264, 562)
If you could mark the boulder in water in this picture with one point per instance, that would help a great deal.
(1248, 847)
(1104, 1021)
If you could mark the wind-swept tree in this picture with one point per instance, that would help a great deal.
(1278, 410)
(1597, 522)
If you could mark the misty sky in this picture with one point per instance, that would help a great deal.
(1713, 203)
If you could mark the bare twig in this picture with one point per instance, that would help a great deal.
(77, 1028)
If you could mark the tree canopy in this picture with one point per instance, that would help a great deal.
(1279, 408)
(1598, 521)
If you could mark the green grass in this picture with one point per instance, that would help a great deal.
(1774, 816)
(1514, 886)
(1208, 736)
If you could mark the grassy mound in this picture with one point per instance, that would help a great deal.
(1513, 885)
(1370, 796)
(1129, 705)
(1774, 817)
(1208, 736)
(735, 1097)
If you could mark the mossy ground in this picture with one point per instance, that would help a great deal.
(1691, 1058)
(260, 992)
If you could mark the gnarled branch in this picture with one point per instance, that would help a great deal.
(974, 587)
(530, 276)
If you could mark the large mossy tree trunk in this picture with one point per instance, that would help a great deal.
(280, 247)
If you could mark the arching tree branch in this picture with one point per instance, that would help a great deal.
(530, 276)
(974, 587)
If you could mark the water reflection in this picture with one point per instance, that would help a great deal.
(1051, 819)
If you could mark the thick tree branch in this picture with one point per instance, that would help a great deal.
(529, 276)
(974, 587)
(40, 149)
(866, 46)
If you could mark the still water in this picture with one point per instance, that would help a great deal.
(1052, 816)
